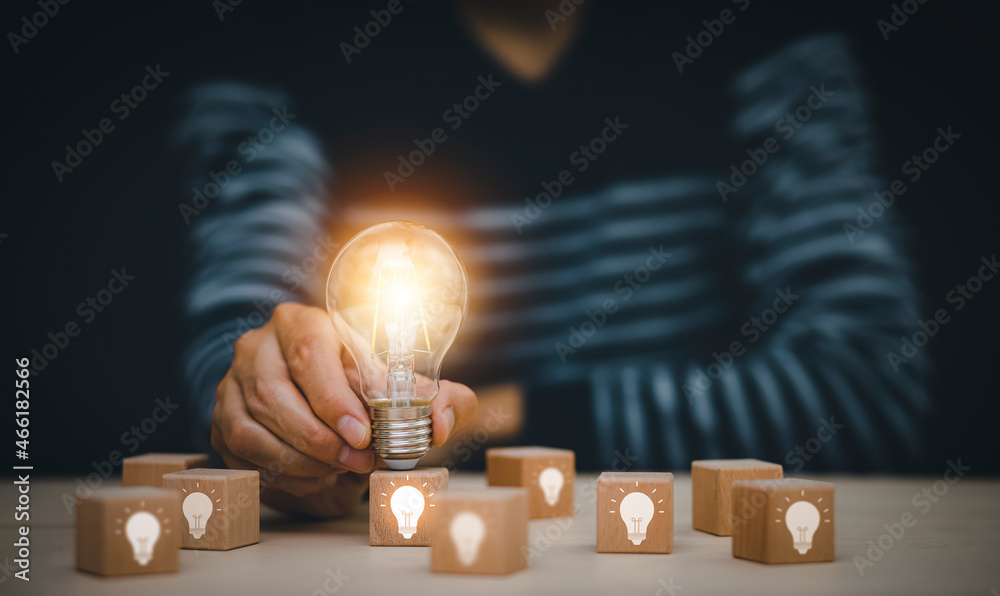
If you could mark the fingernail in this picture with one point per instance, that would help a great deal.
(351, 430)
(359, 460)
(331, 480)
(449, 415)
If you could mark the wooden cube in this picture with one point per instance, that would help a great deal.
(148, 469)
(401, 505)
(711, 485)
(121, 531)
(635, 512)
(547, 473)
(221, 508)
(783, 521)
(480, 531)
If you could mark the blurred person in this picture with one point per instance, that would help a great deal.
(678, 305)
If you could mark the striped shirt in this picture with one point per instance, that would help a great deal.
(673, 318)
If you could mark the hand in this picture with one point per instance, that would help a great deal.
(290, 408)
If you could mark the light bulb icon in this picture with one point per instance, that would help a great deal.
(802, 519)
(398, 294)
(142, 530)
(467, 531)
(197, 508)
(407, 503)
(637, 511)
(551, 480)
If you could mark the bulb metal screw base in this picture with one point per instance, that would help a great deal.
(401, 436)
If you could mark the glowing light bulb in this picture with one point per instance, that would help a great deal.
(407, 503)
(397, 295)
(142, 530)
(197, 509)
(637, 511)
(802, 519)
(467, 530)
(551, 481)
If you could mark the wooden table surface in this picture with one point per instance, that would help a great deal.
(954, 548)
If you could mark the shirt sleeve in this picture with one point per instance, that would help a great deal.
(255, 206)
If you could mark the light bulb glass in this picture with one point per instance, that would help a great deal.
(397, 295)
(802, 520)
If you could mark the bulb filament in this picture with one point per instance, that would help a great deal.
(397, 299)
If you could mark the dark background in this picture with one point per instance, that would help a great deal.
(119, 208)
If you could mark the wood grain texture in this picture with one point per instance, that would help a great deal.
(711, 485)
(233, 500)
(385, 486)
(481, 532)
(762, 532)
(302, 557)
(614, 535)
(547, 473)
(148, 469)
(114, 527)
